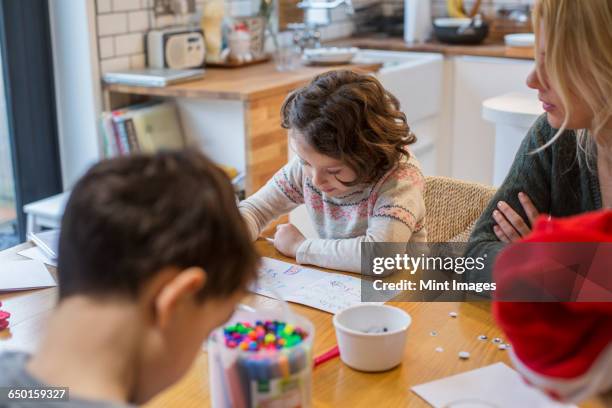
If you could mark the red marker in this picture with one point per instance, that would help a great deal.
(328, 355)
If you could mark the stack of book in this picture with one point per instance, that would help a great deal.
(143, 128)
(150, 127)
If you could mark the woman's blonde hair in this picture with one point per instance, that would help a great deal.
(578, 59)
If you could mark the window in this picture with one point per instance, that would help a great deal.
(8, 215)
(28, 129)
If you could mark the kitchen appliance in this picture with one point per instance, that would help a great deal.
(176, 48)
(417, 20)
(317, 14)
(460, 30)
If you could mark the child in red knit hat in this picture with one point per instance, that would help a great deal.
(563, 348)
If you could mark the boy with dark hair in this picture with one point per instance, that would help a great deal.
(153, 255)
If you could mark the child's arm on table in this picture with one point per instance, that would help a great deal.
(281, 194)
(399, 212)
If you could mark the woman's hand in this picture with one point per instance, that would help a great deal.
(510, 227)
(288, 239)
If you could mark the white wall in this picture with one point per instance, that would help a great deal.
(217, 127)
(77, 85)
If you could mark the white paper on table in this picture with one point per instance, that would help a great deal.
(47, 241)
(496, 385)
(23, 275)
(326, 291)
(39, 255)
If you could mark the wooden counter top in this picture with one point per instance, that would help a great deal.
(486, 49)
(248, 83)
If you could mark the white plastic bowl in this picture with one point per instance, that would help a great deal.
(329, 55)
(452, 22)
(520, 40)
(372, 337)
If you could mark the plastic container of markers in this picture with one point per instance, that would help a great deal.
(264, 377)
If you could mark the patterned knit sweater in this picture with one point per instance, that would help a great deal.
(390, 210)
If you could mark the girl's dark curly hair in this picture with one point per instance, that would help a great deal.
(352, 118)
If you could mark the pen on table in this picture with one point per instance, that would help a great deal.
(328, 355)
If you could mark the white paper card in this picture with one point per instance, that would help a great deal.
(48, 241)
(38, 254)
(326, 291)
(23, 275)
(496, 385)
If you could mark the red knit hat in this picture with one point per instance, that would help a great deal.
(4, 318)
(564, 348)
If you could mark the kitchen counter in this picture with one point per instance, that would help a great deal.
(234, 113)
(486, 49)
(245, 84)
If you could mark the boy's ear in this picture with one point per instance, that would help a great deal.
(183, 286)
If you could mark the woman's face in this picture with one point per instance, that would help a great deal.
(581, 116)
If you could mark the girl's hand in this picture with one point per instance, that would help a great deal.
(510, 226)
(288, 239)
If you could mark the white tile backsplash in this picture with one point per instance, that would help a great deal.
(339, 14)
(138, 20)
(107, 47)
(137, 61)
(164, 21)
(109, 24)
(104, 6)
(115, 64)
(346, 28)
(129, 44)
(125, 5)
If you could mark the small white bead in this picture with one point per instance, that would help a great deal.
(453, 314)
(464, 355)
(439, 349)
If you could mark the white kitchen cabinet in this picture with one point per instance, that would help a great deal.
(473, 139)
(416, 80)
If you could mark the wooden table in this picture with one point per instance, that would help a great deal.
(334, 384)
